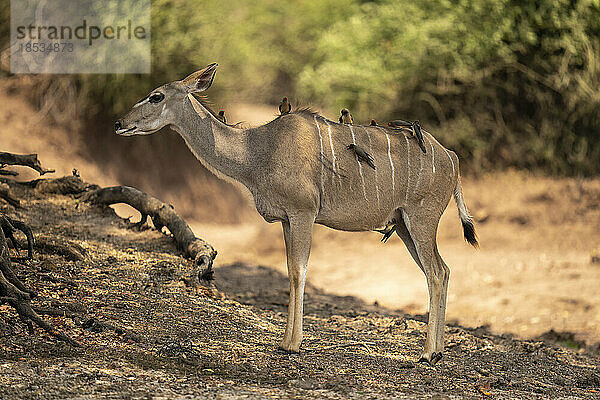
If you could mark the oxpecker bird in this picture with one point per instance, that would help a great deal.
(346, 117)
(285, 106)
(362, 154)
(419, 135)
(373, 123)
(400, 123)
(221, 117)
(388, 231)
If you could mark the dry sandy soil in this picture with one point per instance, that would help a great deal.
(172, 341)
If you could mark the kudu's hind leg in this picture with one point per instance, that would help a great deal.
(443, 297)
(418, 232)
(297, 233)
(289, 327)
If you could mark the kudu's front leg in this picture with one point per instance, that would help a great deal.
(297, 232)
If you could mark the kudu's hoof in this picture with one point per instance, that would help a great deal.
(432, 359)
(289, 348)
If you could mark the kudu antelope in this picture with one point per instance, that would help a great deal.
(300, 173)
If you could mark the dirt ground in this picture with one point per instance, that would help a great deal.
(178, 342)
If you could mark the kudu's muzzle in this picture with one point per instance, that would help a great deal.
(120, 130)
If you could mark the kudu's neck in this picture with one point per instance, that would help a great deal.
(219, 147)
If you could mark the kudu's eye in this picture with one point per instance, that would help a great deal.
(156, 98)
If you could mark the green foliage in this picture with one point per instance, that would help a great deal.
(504, 83)
(261, 47)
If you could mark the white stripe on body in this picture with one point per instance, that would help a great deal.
(432, 154)
(445, 149)
(322, 158)
(376, 180)
(332, 150)
(452, 161)
(362, 178)
(420, 172)
(392, 169)
(407, 169)
(432, 163)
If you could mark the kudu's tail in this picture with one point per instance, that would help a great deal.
(463, 213)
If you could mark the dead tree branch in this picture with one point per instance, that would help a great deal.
(70, 184)
(163, 215)
(27, 160)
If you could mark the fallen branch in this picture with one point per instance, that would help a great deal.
(27, 160)
(163, 215)
(70, 184)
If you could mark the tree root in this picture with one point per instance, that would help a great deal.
(163, 215)
(90, 323)
(10, 226)
(27, 160)
(12, 290)
(68, 250)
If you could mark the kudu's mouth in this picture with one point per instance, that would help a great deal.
(126, 132)
(119, 130)
(134, 130)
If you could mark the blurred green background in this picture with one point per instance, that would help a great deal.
(504, 83)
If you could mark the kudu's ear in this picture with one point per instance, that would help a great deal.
(200, 80)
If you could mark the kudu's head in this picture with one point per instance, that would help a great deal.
(156, 109)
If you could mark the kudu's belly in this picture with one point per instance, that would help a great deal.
(350, 214)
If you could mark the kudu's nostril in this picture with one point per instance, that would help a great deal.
(117, 126)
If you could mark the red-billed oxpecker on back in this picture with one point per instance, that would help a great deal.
(285, 107)
(346, 117)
